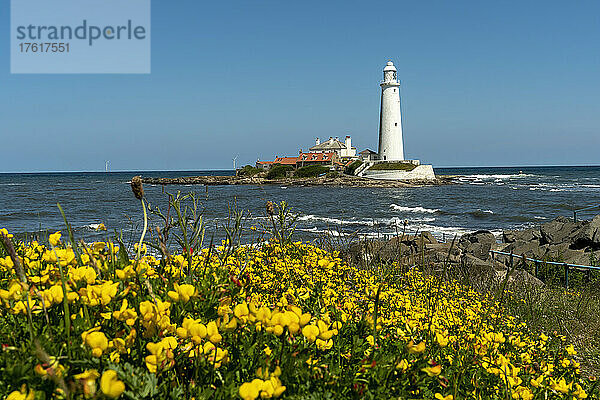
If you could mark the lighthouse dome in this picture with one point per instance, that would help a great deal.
(389, 67)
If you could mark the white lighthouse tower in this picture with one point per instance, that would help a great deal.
(391, 147)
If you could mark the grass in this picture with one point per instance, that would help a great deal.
(392, 166)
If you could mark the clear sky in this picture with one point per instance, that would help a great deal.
(483, 83)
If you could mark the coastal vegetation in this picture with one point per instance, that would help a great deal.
(311, 171)
(248, 170)
(349, 170)
(173, 316)
(279, 171)
(392, 166)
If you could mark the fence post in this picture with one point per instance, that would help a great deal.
(537, 268)
(588, 275)
(566, 276)
(574, 216)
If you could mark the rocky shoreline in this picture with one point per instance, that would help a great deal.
(560, 240)
(340, 181)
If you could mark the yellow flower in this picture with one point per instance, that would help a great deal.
(579, 393)
(402, 365)
(213, 332)
(241, 312)
(54, 238)
(250, 390)
(96, 340)
(441, 339)
(110, 384)
(441, 397)
(51, 369)
(15, 290)
(324, 344)
(560, 386)
(433, 371)
(310, 332)
(127, 315)
(415, 349)
(571, 350)
(537, 382)
(22, 394)
(182, 293)
(88, 380)
(4, 232)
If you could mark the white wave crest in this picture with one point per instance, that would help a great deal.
(417, 209)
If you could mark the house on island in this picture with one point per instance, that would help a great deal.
(331, 160)
(331, 153)
(343, 150)
(368, 155)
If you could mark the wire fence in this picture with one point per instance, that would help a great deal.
(538, 263)
(579, 210)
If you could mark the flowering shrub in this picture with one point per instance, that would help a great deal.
(269, 321)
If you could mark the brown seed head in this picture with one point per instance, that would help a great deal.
(270, 208)
(137, 188)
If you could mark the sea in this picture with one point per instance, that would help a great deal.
(493, 199)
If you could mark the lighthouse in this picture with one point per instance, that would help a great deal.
(391, 147)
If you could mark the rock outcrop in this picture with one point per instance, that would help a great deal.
(341, 180)
(560, 240)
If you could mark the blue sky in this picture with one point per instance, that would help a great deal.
(484, 83)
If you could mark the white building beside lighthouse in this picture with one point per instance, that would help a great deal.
(391, 147)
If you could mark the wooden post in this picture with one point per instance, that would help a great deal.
(566, 276)
(537, 268)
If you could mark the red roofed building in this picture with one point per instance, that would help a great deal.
(325, 159)
(303, 159)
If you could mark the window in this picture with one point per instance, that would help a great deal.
(395, 124)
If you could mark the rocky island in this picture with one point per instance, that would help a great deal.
(333, 181)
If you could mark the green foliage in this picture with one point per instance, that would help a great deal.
(393, 166)
(311, 171)
(332, 174)
(248, 170)
(349, 170)
(279, 171)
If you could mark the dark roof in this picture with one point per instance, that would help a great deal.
(367, 151)
(331, 144)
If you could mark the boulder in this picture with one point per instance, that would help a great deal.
(478, 244)
(555, 252)
(588, 235)
(529, 249)
(518, 278)
(560, 230)
(526, 235)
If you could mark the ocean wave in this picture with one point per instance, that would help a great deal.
(417, 209)
(12, 184)
(337, 221)
(440, 232)
(497, 176)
